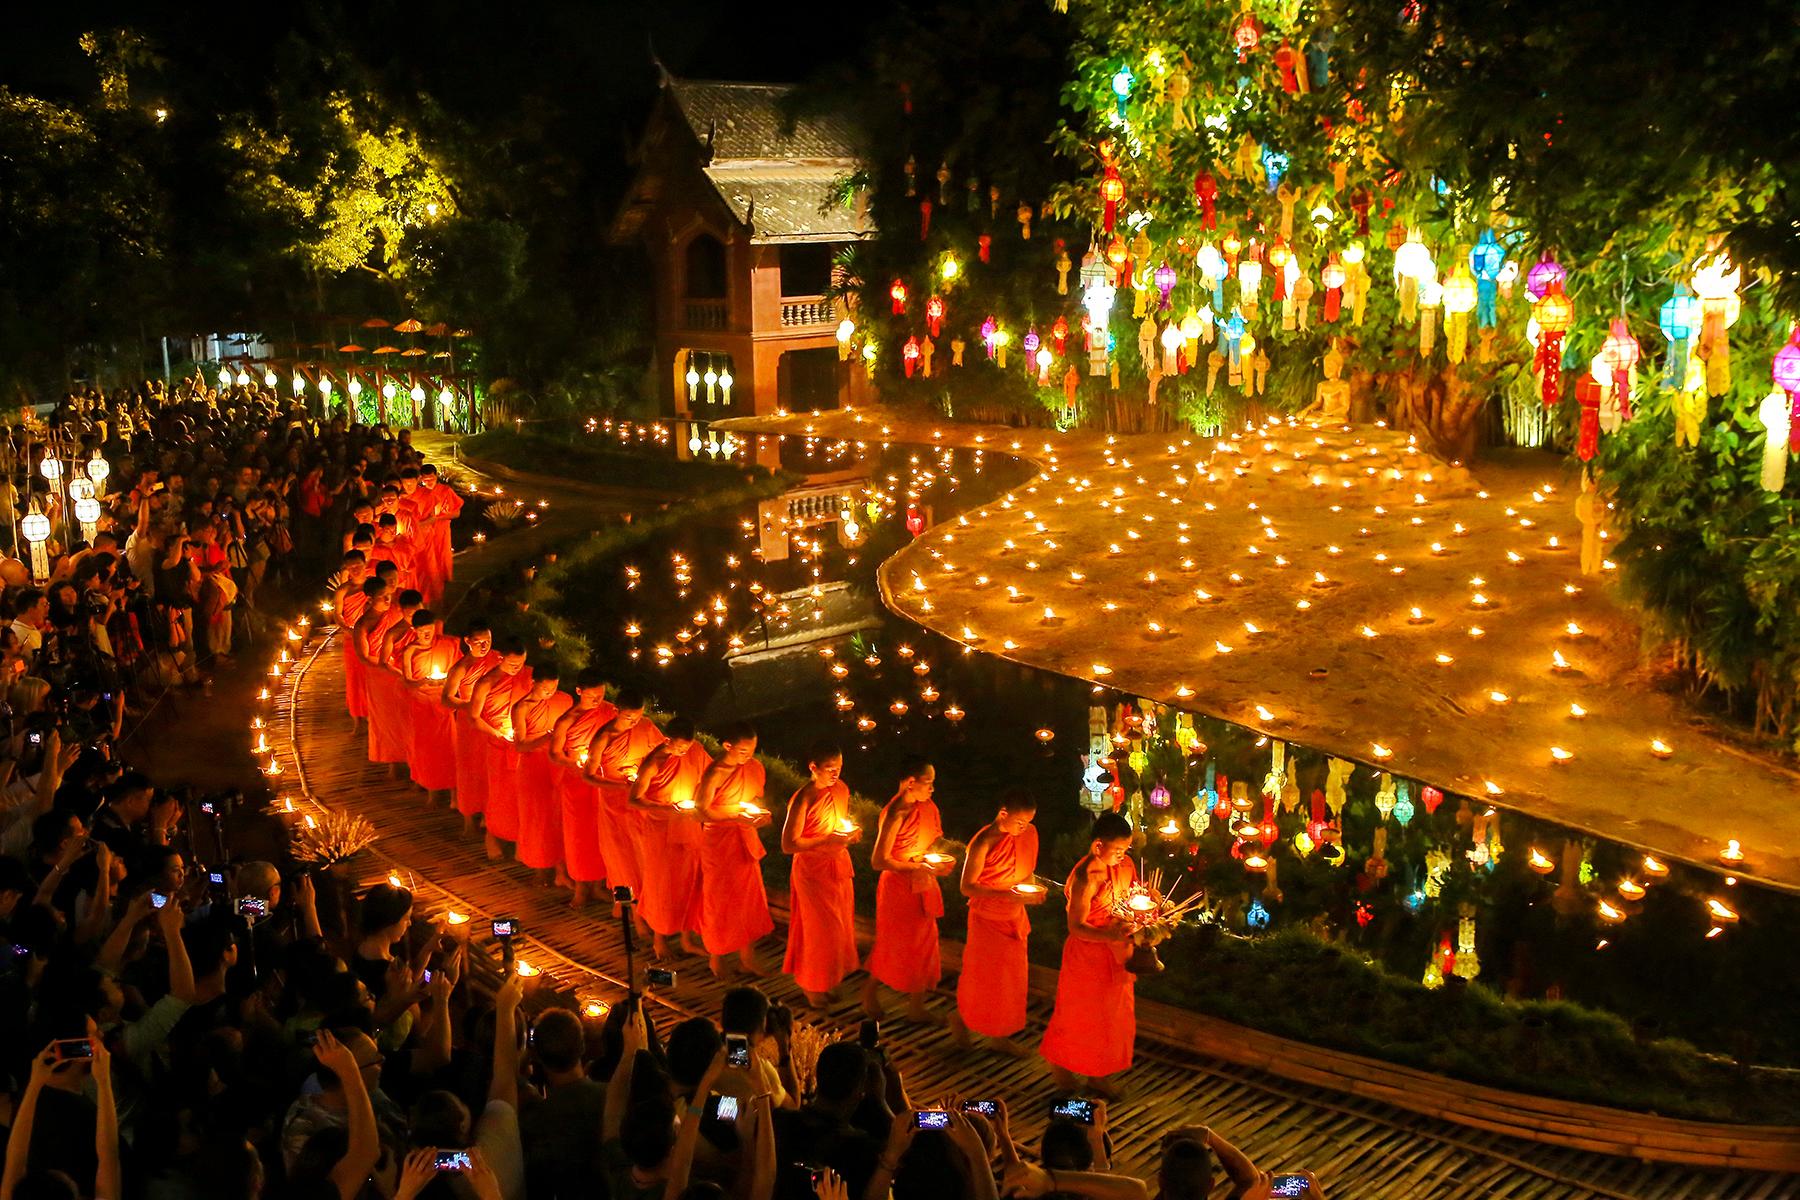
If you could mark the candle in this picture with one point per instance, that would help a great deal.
(526, 970)
(937, 860)
(685, 805)
(1028, 889)
(1631, 889)
(846, 825)
(1732, 853)
(1559, 755)
(1655, 867)
(454, 918)
(1540, 862)
(1609, 913)
(1719, 911)
(1046, 736)
(597, 1009)
(1660, 748)
(750, 808)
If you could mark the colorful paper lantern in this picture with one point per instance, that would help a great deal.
(1678, 318)
(1554, 313)
(1543, 273)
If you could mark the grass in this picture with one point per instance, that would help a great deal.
(588, 458)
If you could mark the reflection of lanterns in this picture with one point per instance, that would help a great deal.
(845, 331)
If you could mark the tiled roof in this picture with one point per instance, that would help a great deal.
(751, 121)
(789, 204)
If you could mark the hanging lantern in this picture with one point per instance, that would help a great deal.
(1112, 191)
(1678, 318)
(1461, 296)
(1588, 394)
(98, 469)
(1621, 352)
(1165, 283)
(1716, 283)
(1211, 265)
(389, 390)
(725, 382)
(897, 291)
(1485, 261)
(299, 383)
(1030, 346)
(1249, 275)
(1773, 412)
(51, 468)
(87, 511)
(1206, 191)
(845, 331)
(934, 315)
(1333, 278)
(1246, 34)
(446, 398)
(1121, 89)
(243, 378)
(355, 388)
(36, 528)
(1543, 273)
(692, 378)
(1171, 344)
(712, 379)
(1059, 333)
(1786, 372)
(1412, 267)
(909, 356)
(417, 395)
(269, 378)
(224, 377)
(1554, 314)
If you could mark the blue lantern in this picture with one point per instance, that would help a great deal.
(1679, 318)
(1121, 86)
(1256, 916)
(1485, 261)
(1403, 805)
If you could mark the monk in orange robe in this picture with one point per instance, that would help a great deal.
(614, 756)
(1095, 1022)
(424, 667)
(996, 973)
(492, 707)
(388, 729)
(369, 627)
(734, 908)
(478, 660)
(391, 547)
(908, 900)
(540, 810)
(580, 800)
(443, 505)
(664, 801)
(351, 602)
(818, 832)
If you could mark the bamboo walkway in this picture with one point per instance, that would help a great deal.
(1359, 1147)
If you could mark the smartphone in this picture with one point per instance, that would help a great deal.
(987, 1108)
(1288, 1185)
(452, 1160)
(737, 1050)
(931, 1118)
(505, 927)
(157, 899)
(252, 906)
(428, 980)
(659, 977)
(870, 1036)
(623, 894)
(1079, 1111)
(722, 1108)
(71, 1049)
(35, 737)
(216, 878)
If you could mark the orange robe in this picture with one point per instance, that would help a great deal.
(469, 742)
(400, 553)
(540, 809)
(432, 763)
(734, 909)
(821, 945)
(581, 802)
(1095, 1022)
(669, 849)
(996, 972)
(503, 756)
(355, 698)
(908, 905)
(389, 731)
(620, 757)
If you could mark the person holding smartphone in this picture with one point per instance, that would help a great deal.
(1186, 1171)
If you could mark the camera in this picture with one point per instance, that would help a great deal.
(452, 1160)
(987, 1108)
(506, 927)
(659, 977)
(1079, 1111)
(216, 878)
(931, 1118)
(737, 1050)
(623, 894)
(157, 899)
(252, 906)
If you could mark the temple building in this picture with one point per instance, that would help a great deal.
(743, 207)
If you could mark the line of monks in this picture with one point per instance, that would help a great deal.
(593, 794)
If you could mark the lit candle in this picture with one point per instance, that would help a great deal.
(1576, 712)
(1380, 751)
(1719, 911)
(1028, 889)
(1655, 867)
(1540, 862)
(1631, 889)
(1559, 755)
(1660, 748)
(1499, 697)
(1732, 853)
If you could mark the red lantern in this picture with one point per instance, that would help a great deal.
(934, 314)
(1059, 334)
(1284, 62)
(909, 356)
(915, 521)
(1359, 204)
(1554, 313)
(1206, 191)
(1587, 440)
(1246, 35)
(1112, 190)
(897, 290)
(924, 218)
(1333, 279)
(983, 244)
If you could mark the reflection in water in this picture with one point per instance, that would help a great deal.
(772, 613)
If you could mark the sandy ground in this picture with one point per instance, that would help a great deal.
(1320, 538)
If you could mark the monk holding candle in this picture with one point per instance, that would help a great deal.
(734, 909)
(664, 797)
(352, 609)
(998, 880)
(540, 808)
(580, 800)
(818, 832)
(424, 667)
(388, 728)
(479, 658)
(444, 505)
(1095, 1022)
(908, 900)
(614, 757)
(492, 706)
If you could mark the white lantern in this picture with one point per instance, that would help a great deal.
(79, 487)
(224, 376)
(243, 378)
(446, 397)
(325, 387)
(87, 511)
(98, 469)
(845, 331)
(299, 383)
(417, 394)
(389, 391)
(36, 528)
(51, 468)
(725, 382)
(355, 389)
(269, 378)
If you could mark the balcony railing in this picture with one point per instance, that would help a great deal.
(703, 314)
(802, 312)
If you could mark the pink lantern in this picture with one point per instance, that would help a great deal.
(1165, 283)
(1542, 274)
(1621, 352)
(1786, 371)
